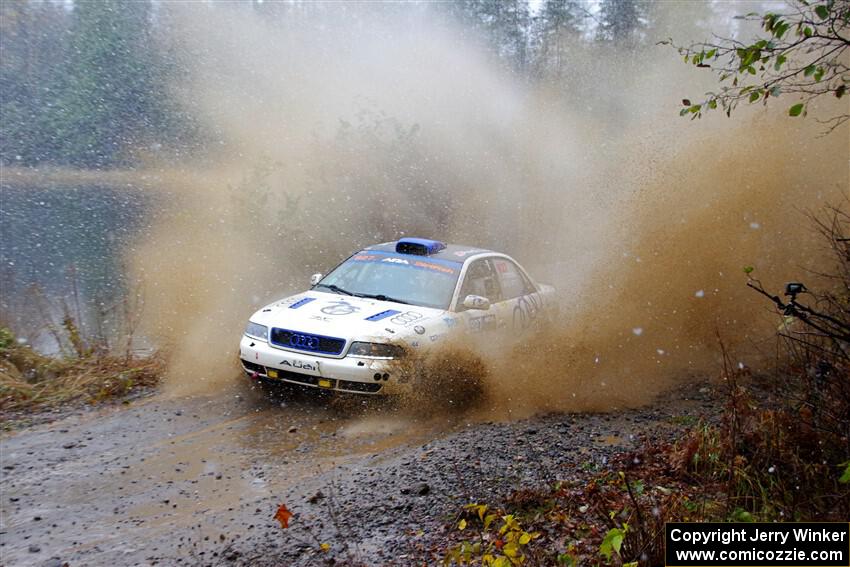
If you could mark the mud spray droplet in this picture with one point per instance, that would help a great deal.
(656, 207)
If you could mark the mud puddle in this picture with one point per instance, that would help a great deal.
(127, 485)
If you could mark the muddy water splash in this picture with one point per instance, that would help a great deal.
(360, 126)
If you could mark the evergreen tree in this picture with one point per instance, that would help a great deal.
(505, 25)
(621, 21)
(558, 22)
(110, 101)
(34, 45)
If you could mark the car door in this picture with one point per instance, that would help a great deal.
(481, 279)
(522, 302)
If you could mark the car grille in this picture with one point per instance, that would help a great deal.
(307, 342)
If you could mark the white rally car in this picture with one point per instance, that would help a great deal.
(344, 333)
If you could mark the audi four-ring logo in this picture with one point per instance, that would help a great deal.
(303, 341)
(406, 318)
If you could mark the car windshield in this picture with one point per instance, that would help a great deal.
(416, 280)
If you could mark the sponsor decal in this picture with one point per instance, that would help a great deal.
(420, 330)
(450, 322)
(320, 318)
(435, 337)
(301, 302)
(478, 324)
(526, 310)
(340, 307)
(314, 367)
(435, 267)
(462, 253)
(434, 264)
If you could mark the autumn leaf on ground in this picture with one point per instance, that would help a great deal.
(282, 515)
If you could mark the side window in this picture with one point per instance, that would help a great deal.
(480, 280)
(513, 281)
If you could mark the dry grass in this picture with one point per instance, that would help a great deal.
(32, 382)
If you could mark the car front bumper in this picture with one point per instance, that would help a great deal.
(349, 374)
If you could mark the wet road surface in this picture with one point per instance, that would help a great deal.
(196, 481)
(127, 485)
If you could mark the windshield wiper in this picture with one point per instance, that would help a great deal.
(382, 297)
(335, 288)
(378, 296)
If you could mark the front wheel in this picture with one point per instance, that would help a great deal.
(451, 379)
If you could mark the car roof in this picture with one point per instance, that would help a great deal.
(451, 253)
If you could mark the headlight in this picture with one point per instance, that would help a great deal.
(376, 350)
(257, 331)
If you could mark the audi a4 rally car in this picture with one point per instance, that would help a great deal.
(344, 333)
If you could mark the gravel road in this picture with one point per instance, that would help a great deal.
(196, 481)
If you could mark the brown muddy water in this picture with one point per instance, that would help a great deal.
(643, 221)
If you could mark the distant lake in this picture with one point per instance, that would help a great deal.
(49, 231)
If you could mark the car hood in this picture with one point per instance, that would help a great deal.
(349, 317)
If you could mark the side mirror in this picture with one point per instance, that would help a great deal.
(476, 302)
(315, 278)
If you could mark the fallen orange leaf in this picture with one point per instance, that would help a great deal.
(282, 515)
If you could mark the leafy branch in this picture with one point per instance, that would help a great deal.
(804, 53)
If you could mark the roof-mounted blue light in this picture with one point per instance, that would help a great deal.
(419, 246)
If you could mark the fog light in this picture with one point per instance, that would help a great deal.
(377, 377)
(386, 377)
